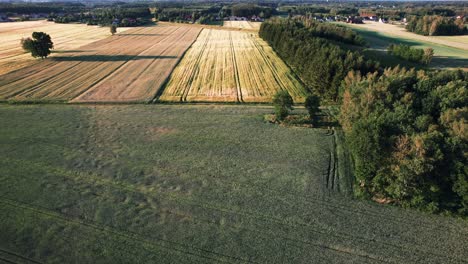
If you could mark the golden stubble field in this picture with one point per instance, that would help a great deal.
(66, 38)
(242, 24)
(128, 67)
(230, 66)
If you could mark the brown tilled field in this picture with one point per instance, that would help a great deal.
(66, 38)
(130, 66)
(230, 66)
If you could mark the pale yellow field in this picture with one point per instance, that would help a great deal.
(128, 67)
(230, 66)
(242, 24)
(66, 38)
(460, 42)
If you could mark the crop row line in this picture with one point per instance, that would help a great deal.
(15, 255)
(182, 248)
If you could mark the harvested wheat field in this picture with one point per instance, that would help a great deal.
(230, 66)
(66, 38)
(242, 24)
(127, 67)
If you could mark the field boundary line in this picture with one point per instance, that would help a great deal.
(161, 89)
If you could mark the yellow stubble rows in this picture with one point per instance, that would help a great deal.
(96, 71)
(242, 24)
(230, 66)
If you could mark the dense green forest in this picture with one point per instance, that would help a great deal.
(313, 50)
(436, 26)
(405, 128)
(407, 132)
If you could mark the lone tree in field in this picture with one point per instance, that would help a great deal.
(428, 54)
(39, 45)
(283, 103)
(113, 29)
(312, 104)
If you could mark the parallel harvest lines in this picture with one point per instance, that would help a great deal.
(230, 66)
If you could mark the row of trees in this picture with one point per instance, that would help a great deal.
(407, 133)
(126, 16)
(408, 53)
(248, 10)
(283, 103)
(436, 26)
(320, 63)
(200, 14)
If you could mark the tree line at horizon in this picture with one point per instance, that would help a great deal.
(436, 25)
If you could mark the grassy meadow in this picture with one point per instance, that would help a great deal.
(192, 184)
(444, 56)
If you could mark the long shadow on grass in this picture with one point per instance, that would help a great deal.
(109, 58)
(450, 62)
(376, 39)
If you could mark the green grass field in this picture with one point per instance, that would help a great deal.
(193, 184)
(444, 56)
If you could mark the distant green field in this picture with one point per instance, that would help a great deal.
(192, 184)
(444, 56)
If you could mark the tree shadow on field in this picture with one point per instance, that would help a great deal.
(68, 51)
(109, 58)
(137, 34)
(447, 61)
(381, 41)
